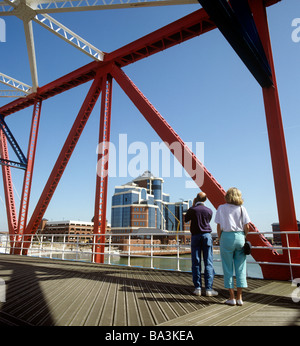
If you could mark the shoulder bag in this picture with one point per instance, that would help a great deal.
(247, 246)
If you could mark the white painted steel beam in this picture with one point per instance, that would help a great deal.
(56, 6)
(69, 36)
(31, 53)
(5, 9)
(36, 10)
(52, 6)
(26, 11)
(7, 6)
(11, 93)
(15, 84)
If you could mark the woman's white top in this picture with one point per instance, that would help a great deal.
(232, 218)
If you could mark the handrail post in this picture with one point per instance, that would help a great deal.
(41, 247)
(51, 247)
(109, 249)
(129, 240)
(63, 249)
(289, 255)
(178, 253)
(151, 251)
(6, 244)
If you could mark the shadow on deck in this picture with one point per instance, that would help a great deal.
(44, 292)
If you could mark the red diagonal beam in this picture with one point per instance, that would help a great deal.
(63, 159)
(66, 82)
(190, 26)
(209, 185)
(181, 30)
(196, 169)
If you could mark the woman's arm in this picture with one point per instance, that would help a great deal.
(246, 229)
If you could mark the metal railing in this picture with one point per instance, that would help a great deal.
(147, 250)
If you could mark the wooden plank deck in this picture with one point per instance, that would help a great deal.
(44, 292)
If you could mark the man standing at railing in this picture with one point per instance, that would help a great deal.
(200, 217)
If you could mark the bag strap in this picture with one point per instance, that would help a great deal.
(242, 218)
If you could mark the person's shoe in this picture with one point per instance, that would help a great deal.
(231, 302)
(239, 302)
(197, 292)
(211, 293)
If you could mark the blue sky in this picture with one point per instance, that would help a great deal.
(200, 87)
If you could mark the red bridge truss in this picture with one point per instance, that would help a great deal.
(102, 73)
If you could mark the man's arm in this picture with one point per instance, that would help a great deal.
(187, 217)
(219, 231)
(210, 215)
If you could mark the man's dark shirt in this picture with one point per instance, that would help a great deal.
(200, 217)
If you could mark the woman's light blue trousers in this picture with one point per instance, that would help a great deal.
(233, 258)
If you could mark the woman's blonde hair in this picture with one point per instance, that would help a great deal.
(234, 196)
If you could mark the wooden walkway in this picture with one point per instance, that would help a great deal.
(44, 292)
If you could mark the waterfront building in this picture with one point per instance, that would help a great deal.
(142, 204)
(74, 231)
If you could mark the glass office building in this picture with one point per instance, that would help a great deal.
(142, 203)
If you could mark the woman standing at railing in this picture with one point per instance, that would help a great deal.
(232, 226)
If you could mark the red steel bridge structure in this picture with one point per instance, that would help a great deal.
(244, 24)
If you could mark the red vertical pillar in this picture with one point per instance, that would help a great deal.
(282, 180)
(62, 161)
(12, 219)
(23, 213)
(102, 171)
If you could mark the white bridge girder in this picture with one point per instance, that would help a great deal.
(54, 6)
(11, 93)
(37, 11)
(15, 84)
(27, 12)
(69, 36)
(16, 88)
